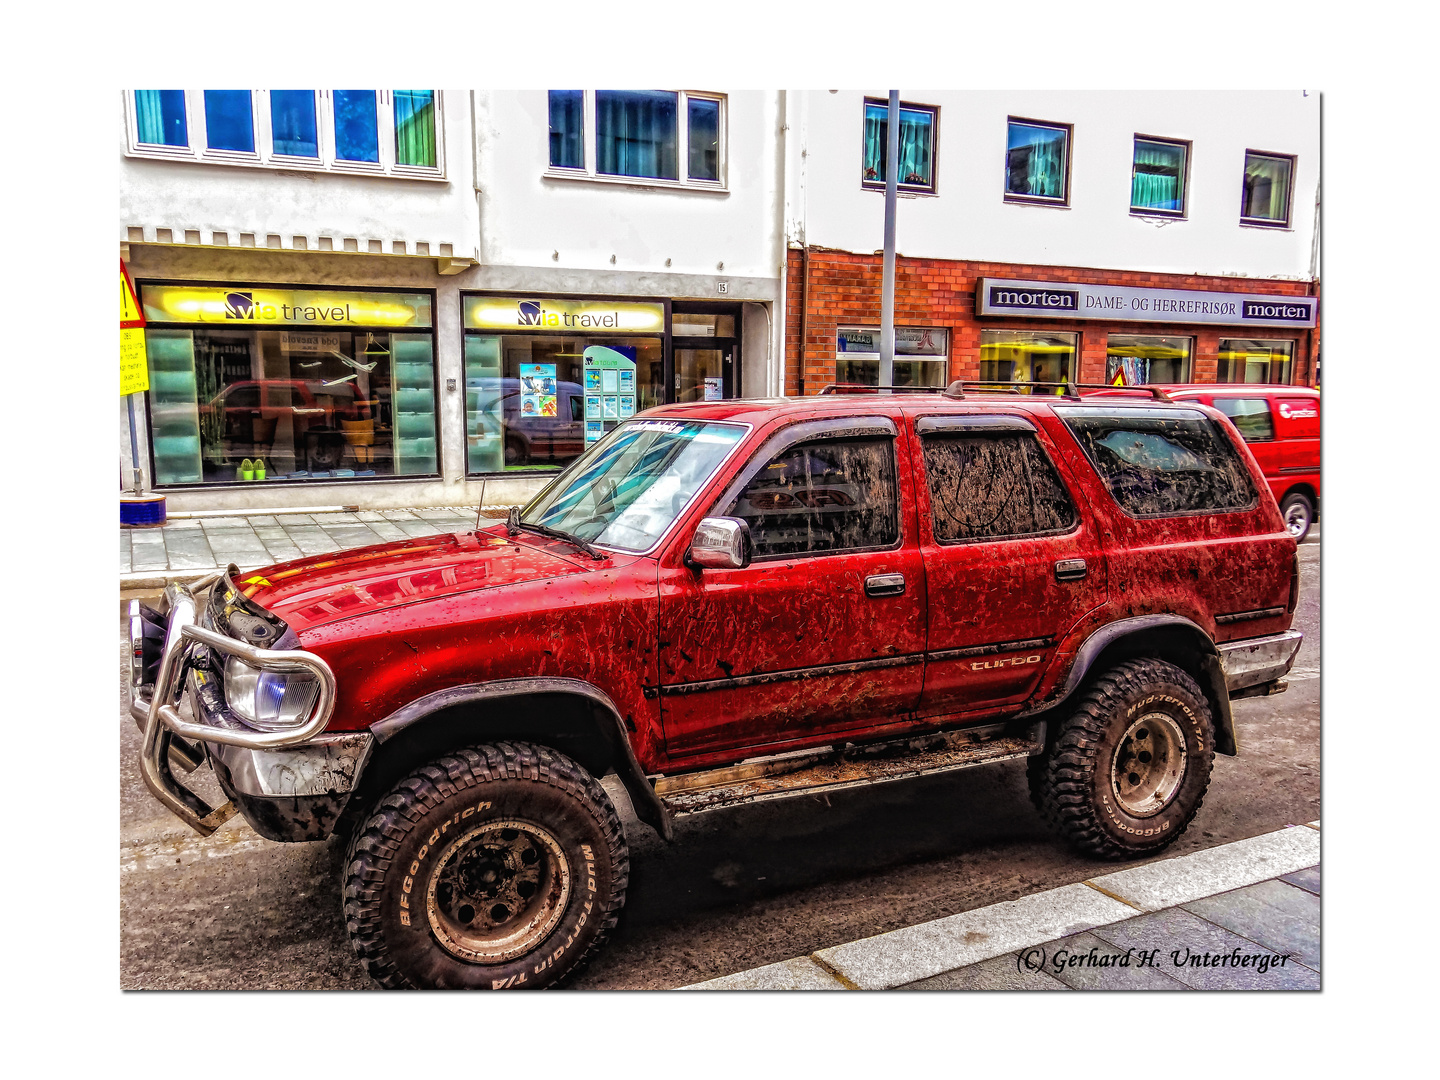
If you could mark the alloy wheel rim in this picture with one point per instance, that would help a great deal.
(1295, 520)
(1149, 765)
(498, 891)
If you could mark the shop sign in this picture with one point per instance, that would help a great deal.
(521, 313)
(909, 341)
(134, 369)
(1117, 303)
(247, 305)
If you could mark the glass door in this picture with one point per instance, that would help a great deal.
(705, 350)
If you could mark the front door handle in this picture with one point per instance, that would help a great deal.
(1069, 569)
(885, 585)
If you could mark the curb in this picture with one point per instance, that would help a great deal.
(918, 952)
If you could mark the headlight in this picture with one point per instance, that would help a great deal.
(270, 700)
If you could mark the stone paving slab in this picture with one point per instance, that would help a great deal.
(1086, 962)
(1183, 942)
(1171, 882)
(1307, 879)
(802, 973)
(1275, 914)
(1001, 973)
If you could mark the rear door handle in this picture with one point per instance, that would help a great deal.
(885, 585)
(1069, 569)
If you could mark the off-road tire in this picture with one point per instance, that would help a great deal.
(397, 856)
(1072, 783)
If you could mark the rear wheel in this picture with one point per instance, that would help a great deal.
(498, 866)
(1128, 768)
(1299, 513)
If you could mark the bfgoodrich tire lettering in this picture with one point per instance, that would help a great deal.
(1091, 785)
(495, 867)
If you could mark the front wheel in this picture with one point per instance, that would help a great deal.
(495, 867)
(1299, 513)
(1128, 768)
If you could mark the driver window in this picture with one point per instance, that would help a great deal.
(822, 496)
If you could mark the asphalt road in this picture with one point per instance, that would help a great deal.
(739, 887)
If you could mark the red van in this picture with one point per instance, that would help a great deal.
(1281, 425)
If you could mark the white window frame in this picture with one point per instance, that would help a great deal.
(264, 155)
(589, 173)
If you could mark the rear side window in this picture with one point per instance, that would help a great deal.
(822, 496)
(984, 487)
(1162, 462)
(1251, 417)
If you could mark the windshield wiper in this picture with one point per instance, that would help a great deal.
(513, 525)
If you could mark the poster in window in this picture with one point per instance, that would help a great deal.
(627, 382)
(610, 407)
(592, 407)
(627, 406)
(714, 389)
(609, 381)
(594, 429)
(537, 390)
(592, 380)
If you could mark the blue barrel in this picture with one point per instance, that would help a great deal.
(142, 510)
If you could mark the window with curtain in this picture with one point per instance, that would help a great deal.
(1157, 184)
(567, 129)
(1037, 160)
(160, 117)
(415, 127)
(357, 137)
(293, 130)
(1265, 197)
(229, 120)
(917, 146)
(635, 133)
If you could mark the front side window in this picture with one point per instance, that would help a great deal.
(1247, 360)
(1137, 359)
(1157, 179)
(1027, 356)
(628, 488)
(1251, 417)
(635, 133)
(823, 496)
(160, 118)
(917, 146)
(1161, 462)
(1037, 162)
(993, 485)
(1265, 194)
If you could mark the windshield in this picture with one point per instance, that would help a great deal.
(626, 489)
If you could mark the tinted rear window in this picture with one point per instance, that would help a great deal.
(1159, 462)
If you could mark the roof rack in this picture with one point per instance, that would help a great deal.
(956, 389)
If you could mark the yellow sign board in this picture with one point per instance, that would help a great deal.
(134, 372)
(245, 305)
(525, 313)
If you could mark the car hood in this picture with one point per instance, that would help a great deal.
(343, 584)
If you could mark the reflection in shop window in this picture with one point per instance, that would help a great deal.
(1025, 356)
(293, 404)
(1136, 359)
(1246, 360)
(921, 356)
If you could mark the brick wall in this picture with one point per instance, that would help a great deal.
(844, 290)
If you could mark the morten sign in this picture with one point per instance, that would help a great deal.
(1065, 300)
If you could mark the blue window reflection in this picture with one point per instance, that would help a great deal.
(635, 133)
(229, 124)
(160, 117)
(567, 129)
(357, 137)
(704, 139)
(292, 123)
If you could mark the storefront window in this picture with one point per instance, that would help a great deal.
(922, 356)
(231, 402)
(1244, 360)
(1025, 356)
(525, 400)
(1135, 359)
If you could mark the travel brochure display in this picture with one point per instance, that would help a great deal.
(609, 387)
(537, 390)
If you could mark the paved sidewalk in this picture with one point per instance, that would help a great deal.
(1242, 916)
(185, 548)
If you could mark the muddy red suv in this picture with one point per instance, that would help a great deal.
(723, 603)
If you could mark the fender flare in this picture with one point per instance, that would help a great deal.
(648, 807)
(1212, 681)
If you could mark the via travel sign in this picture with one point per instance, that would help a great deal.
(522, 312)
(1068, 300)
(283, 307)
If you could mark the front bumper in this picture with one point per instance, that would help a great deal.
(251, 764)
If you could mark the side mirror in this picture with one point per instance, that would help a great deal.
(720, 543)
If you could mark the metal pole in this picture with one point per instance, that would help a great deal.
(887, 280)
(134, 443)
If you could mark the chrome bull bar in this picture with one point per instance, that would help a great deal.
(165, 729)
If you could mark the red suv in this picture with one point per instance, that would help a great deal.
(724, 603)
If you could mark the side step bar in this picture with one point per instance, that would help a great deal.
(825, 769)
